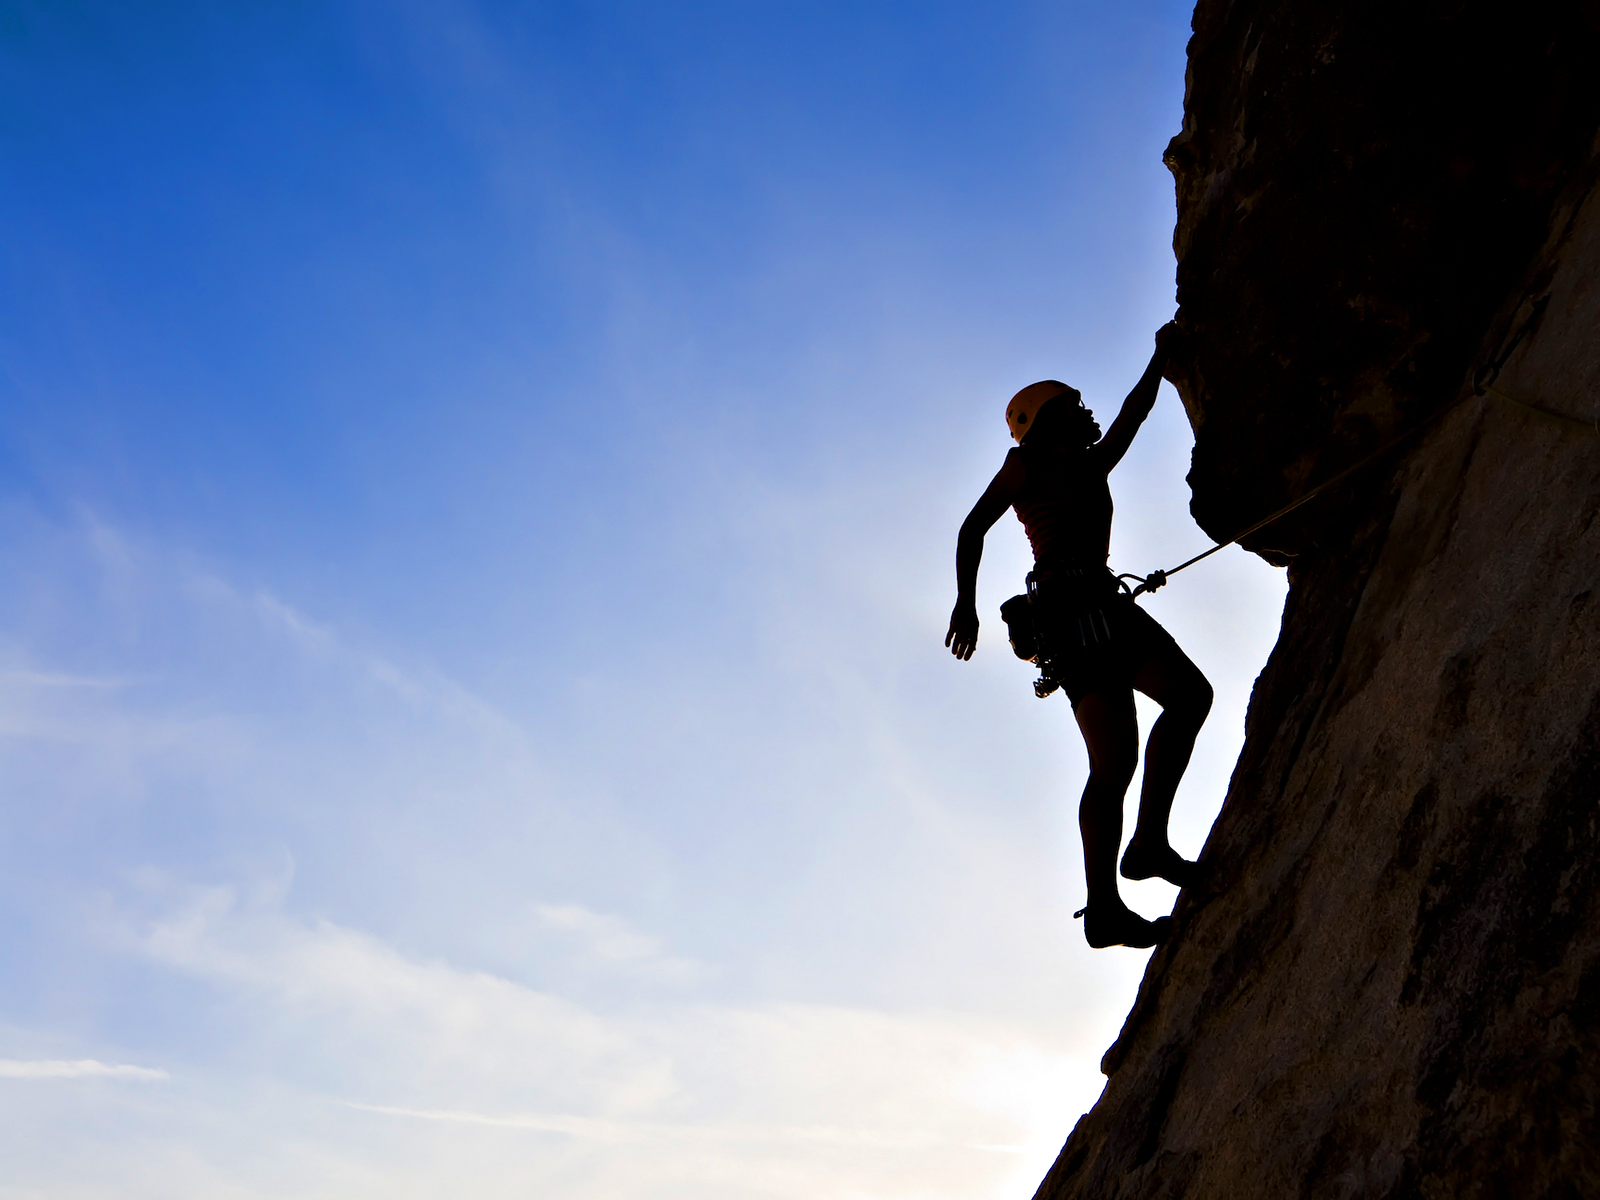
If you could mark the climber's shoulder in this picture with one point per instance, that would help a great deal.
(1002, 491)
(1013, 473)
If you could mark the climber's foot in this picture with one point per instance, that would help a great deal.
(1121, 926)
(1139, 862)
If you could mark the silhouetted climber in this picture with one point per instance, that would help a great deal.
(1101, 646)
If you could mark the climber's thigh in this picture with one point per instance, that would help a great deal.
(1110, 727)
(1170, 678)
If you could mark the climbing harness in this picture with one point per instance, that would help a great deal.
(1071, 627)
(1483, 380)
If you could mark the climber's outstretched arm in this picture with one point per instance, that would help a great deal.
(991, 506)
(1138, 404)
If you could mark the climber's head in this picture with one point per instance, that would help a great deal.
(1050, 411)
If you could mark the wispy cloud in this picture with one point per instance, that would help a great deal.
(343, 994)
(583, 1127)
(612, 941)
(461, 1019)
(83, 1068)
(830, 1098)
(638, 1131)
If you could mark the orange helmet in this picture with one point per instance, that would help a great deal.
(1022, 408)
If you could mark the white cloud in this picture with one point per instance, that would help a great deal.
(604, 1131)
(611, 941)
(784, 1100)
(397, 1026)
(401, 1015)
(83, 1068)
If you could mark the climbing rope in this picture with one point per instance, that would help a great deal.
(1483, 380)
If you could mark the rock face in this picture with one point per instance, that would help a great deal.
(1390, 985)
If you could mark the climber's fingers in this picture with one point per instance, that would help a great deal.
(960, 645)
(963, 636)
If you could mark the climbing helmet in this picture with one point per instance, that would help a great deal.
(1023, 408)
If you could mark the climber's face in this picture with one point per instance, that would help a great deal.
(1064, 421)
(1082, 421)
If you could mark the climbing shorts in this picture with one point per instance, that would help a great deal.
(1093, 638)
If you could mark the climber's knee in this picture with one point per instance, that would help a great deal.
(1170, 679)
(1189, 705)
(1113, 766)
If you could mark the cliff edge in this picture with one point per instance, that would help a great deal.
(1390, 985)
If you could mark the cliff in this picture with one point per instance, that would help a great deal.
(1390, 984)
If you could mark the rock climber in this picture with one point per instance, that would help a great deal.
(1101, 645)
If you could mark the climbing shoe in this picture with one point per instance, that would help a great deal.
(1166, 863)
(1121, 926)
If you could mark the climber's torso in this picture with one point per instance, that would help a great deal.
(1064, 504)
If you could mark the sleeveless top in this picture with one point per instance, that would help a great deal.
(1064, 506)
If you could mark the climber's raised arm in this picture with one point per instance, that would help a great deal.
(1138, 404)
(991, 506)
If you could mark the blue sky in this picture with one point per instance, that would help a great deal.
(478, 483)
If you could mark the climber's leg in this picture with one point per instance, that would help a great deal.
(1170, 679)
(1111, 733)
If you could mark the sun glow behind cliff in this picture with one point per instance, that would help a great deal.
(481, 496)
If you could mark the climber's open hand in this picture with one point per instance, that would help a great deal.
(963, 636)
(1167, 338)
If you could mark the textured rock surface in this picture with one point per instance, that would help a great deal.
(1358, 186)
(1391, 986)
